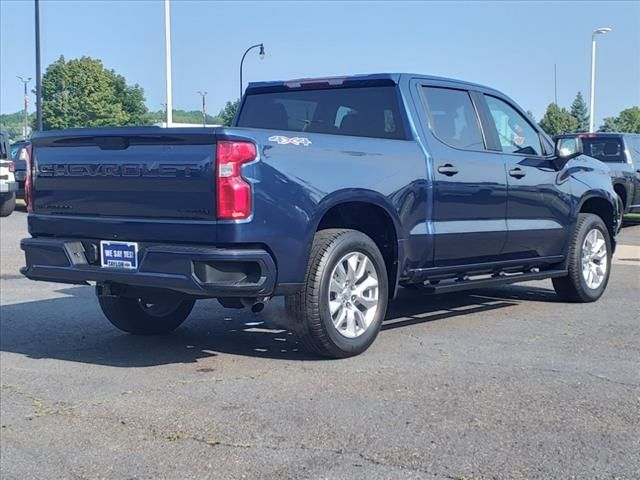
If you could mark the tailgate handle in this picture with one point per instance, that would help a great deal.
(111, 143)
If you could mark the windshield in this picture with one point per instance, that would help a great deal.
(604, 149)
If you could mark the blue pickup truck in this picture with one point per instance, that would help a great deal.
(332, 192)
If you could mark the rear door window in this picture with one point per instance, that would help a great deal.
(453, 118)
(357, 111)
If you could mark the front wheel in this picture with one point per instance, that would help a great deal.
(589, 261)
(7, 204)
(140, 316)
(340, 310)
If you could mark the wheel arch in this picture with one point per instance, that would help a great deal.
(372, 214)
(604, 206)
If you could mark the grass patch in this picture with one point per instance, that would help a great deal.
(176, 436)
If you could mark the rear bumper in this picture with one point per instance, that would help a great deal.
(197, 271)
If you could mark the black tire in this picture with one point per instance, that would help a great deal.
(621, 203)
(574, 287)
(309, 308)
(135, 316)
(7, 205)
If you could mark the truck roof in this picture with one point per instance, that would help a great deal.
(354, 80)
(598, 135)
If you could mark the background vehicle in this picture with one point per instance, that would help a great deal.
(621, 152)
(8, 185)
(330, 192)
(18, 156)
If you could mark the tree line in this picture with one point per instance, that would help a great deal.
(83, 93)
(558, 120)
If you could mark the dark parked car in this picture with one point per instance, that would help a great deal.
(621, 152)
(18, 155)
(331, 192)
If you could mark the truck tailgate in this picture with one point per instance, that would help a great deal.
(133, 172)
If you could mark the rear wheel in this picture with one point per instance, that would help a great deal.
(589, 261)
(340, 310)
(622, 198)
(140, 316)
(7, 204)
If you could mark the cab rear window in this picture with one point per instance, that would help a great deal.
(361, 112)
(604, 149)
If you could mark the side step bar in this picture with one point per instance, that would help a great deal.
(459, 285)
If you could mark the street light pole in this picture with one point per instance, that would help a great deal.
(204, 107)
(167, 60)
(599, 31)
(245, 54)
(38, 72)
(25, 129)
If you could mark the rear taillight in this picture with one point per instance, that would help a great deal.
(12, 167)
(25, 154)
(234, 192)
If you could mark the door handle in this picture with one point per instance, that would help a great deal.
(517, 173)
(447, 169)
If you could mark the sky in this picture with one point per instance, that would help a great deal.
(511, 46)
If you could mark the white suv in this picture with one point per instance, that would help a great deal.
(8, 184)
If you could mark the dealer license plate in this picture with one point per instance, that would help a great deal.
(119, 254)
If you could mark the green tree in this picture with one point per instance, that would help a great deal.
(609, 124)
(628, 121)
(227, 114)
(183, 116)
(13, 124)
(82, 93)
(580, 113)
(558, 120)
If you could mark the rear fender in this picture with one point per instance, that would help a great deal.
(361, 196)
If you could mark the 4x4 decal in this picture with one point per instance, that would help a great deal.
(282, 140)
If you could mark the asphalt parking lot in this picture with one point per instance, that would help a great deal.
(500, 383)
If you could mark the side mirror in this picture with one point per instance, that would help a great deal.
(567, 148)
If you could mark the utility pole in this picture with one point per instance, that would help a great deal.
(555, 82)
(204, 107)
(38, 72)
(592, 102)
(25, 128)
(167, 60)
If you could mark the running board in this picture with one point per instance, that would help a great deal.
(459, 285)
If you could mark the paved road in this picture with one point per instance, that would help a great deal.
(500, 383)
